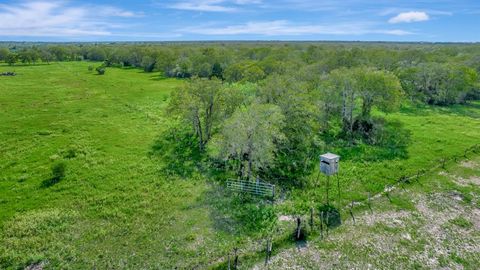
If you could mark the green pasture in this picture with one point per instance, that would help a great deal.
(117, 209)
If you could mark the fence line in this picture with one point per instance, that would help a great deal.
(249, 186)
(420, 173)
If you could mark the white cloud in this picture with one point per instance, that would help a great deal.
(408, 17)
(213, 5)
(285, 28)
(42, 19)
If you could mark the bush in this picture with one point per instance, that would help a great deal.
(331, 216)
(101, 70)
(58, 171)
(90, 68)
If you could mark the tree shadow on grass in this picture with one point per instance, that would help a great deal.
(177, 151)
(391, 142)
(49, 182)
(235, 213)
(470, 109)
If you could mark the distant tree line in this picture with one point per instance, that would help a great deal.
(439, 74)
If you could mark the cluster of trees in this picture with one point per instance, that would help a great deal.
(273, 119)
(274, 128)
(431, 73)
(440, 84)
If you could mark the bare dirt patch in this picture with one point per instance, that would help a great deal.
(427, 236)
(469, 164)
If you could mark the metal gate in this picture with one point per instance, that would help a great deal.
(257, 187)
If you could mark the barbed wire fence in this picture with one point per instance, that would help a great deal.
(322, 225)
(404, 180)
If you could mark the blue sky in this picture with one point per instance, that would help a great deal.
(164, 20)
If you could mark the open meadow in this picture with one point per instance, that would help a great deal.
(116, 206)
(113, 209)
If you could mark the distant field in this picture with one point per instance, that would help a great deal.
(115, 209)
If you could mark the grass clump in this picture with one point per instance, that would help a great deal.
(58, 173)
(462, 222)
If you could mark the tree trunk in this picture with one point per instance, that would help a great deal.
(208, 121)
(367, 107)
(198, 127)
(249, 166)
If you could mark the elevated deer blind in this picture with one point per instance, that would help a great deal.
(257, 187)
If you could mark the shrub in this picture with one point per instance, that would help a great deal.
(90, 68)
(101, 70)
(58, 172)
(331, 216)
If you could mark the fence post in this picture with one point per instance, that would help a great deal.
(351, 213)
(268, 251)
(235, 262)
(266, 254)
(228, 260)
(388, 196)
(370, 203)
(321, 225)
(299, 228)
(326, 223)
(311, 218)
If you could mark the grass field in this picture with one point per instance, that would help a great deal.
(113, 209)
(116, 209)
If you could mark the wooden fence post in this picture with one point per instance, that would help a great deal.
(235, 261)
(268, 251)
(299, 228)
(369, 203)
(388, 196)
(351, 213)
(266, 254)
(326, 224)
(321, 225)
(229, 261)
(311, 218)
